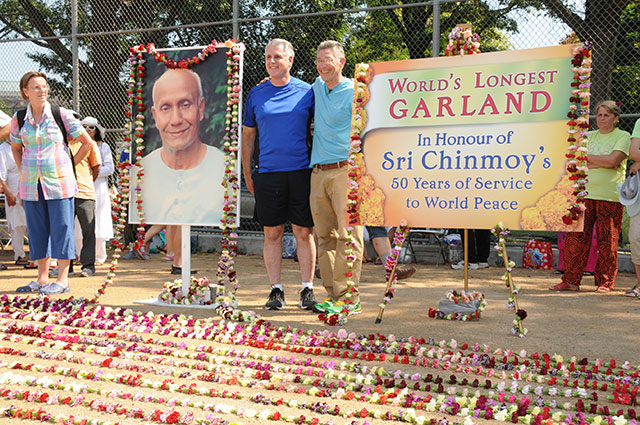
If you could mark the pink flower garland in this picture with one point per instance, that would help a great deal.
(578, 130)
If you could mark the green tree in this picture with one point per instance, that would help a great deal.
(626, 72)
(103, 64)
(601, 24)
(371, 36)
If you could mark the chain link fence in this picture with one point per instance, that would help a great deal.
(38, 35)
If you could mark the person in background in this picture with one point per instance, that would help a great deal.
(608, 149)
(47, 185)
(87, 172)
(634, 212)
(16, 220)
(103, 220)
(380, 240)
(479, 249)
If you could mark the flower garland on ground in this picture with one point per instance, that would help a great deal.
(580, 407)
(135, 131)
(501, 232)
(213, 364)
(578, 126)
(458, 297)
(501, 387)
(199, 292)
(622, 392)
(69, 311)
(462, 41)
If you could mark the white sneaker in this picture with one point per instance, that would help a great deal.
(483, 265)
(460, 266)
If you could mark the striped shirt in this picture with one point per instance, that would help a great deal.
(45, 158)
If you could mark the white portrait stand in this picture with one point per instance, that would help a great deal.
(186, 257)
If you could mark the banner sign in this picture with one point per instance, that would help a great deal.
(467, 141)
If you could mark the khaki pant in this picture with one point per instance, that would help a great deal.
(329, 209)
(634, 238)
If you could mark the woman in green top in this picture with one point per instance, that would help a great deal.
(608, 149)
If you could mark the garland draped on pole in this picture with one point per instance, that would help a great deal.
(501, 232)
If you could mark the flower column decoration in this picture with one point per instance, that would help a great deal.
(501, 232)
(578, 125)
(226, 272)
(133, 130)
(462, 41)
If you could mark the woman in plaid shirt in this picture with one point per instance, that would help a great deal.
(47, 183)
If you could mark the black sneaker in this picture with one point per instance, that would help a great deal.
(276, 300)
(307, 299)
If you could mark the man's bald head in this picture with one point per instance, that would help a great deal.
(178, 109)
(171, 75)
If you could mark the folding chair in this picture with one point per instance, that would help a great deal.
(422, 233)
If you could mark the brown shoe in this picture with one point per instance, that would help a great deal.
(405, 272)
(565, 287)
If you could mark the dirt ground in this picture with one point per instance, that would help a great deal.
(584, 324)
(89, 369)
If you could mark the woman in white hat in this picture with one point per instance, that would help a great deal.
(104, 223)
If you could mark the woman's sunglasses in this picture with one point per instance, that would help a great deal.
(89, 127)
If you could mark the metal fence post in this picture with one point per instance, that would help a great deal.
(75, 89)
(235, 19)
(436, 29)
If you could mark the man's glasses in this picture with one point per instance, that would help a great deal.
(89, 127)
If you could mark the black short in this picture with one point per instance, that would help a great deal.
(283, 196)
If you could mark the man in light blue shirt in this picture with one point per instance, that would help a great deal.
(329, 179)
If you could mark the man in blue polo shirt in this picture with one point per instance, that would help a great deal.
(329, 180)
(275, 128)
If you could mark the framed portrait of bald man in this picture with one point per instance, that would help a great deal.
(183, 159)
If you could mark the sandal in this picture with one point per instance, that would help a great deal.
(22, 261)
(33, 286)
(603, 289)
(53, 289)
(31, 265)
(3, 267)
(633, 292)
